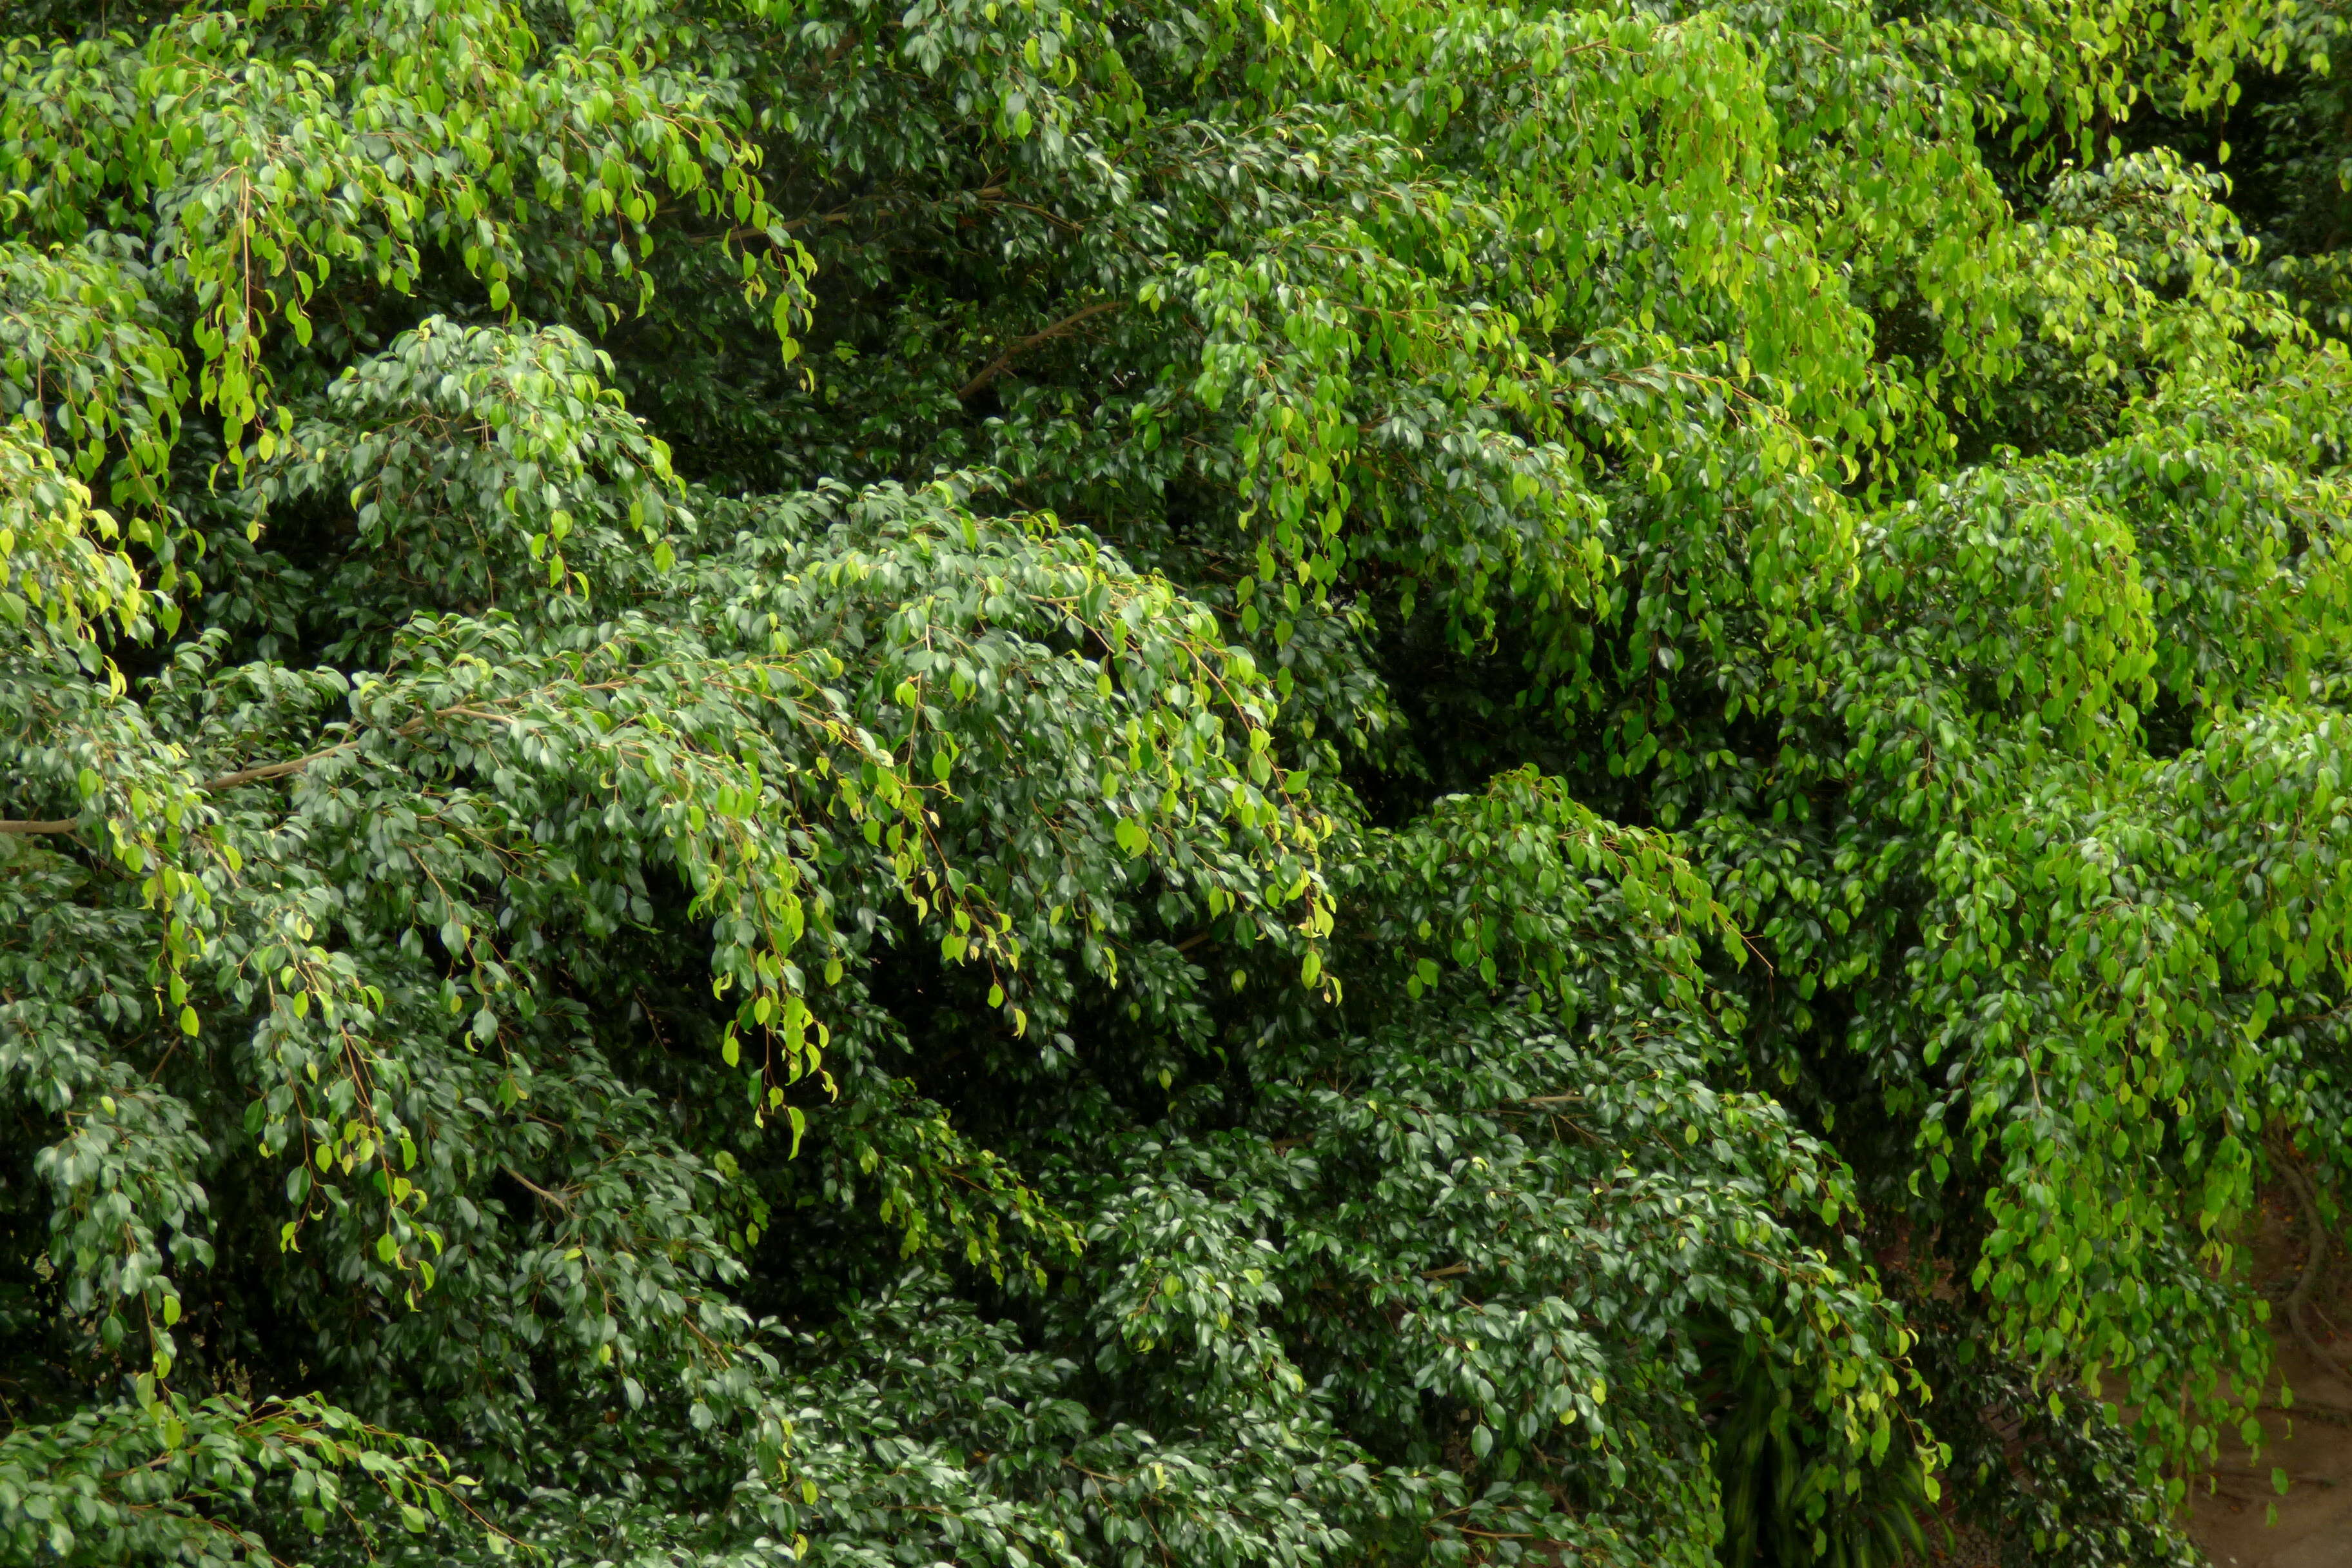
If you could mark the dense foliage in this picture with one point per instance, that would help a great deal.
(1005, 784)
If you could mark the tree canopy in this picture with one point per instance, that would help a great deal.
(1177, 786)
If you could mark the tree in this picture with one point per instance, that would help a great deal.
(1005, 784)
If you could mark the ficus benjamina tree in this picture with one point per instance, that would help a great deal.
(1008, 783)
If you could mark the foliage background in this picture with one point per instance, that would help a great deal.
(789, 781)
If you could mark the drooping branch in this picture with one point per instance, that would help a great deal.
(1003, 362)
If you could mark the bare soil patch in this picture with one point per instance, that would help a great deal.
(2312, 1442)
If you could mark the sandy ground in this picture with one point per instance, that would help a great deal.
(2314, 1527)
(2313, 1443)
(2233, 1519)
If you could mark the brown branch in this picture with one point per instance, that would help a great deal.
(554, 1200)
(2314, 1259)
(210, 787)
(268, 771)
(1003, 362)
(995, 196)
(257, 775)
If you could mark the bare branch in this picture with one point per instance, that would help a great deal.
(279, 769)
(268, 770)
(555, 1200)
(1003, 362)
